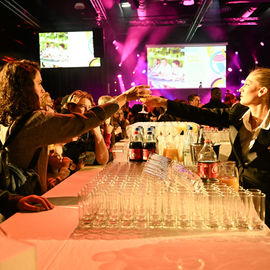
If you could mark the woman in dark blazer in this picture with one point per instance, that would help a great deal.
(249, 126)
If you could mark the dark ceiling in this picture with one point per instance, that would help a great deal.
(60, 15)
(243, 24)
(240, 23)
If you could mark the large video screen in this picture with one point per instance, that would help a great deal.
(186, 66)
(67, 49)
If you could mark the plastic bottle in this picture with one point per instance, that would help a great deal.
(135, 147)
(149, 145)
(207, 162)
(188, 140)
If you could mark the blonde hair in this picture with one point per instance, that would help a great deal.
(263, 77)
(104, 99)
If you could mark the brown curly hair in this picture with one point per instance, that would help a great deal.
(17, 94)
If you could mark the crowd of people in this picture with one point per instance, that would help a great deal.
(78, 133)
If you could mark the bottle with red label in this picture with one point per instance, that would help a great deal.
(135, 147)
(207, 162)
(149, 145)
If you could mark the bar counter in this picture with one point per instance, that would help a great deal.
(50, 232)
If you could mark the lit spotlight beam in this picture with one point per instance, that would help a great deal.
(134, 37)
(121, 83)
(21, 12)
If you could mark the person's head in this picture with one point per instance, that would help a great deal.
(119, 115)
(104, 99)
(80, 101)
(229, 99)
(62, 46)
(156, 61)
(164, 61)
(20, 89)
(216, 93)
(176, 63)
(256, 89)
(194, 100)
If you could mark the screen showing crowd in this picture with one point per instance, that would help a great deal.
(67, 49)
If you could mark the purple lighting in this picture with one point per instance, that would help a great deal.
(144, 71)
(230, 69)
(119, 75)
(132, 84)
(242, 81)
(256, 62)
(240, 70)
(236, 52)
(261, 43)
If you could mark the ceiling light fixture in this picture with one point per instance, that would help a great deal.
(79, 6)
(249, 12)
(125, 5)
(188, 2)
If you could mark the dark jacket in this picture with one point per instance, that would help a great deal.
(8, 203)
(255, 172)
(214, 104)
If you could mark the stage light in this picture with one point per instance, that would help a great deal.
(230, 69)
(262, 43)
(240, 70)
(256, 62)
(242, 81)
(119, 75)
(125, 5)
(144, 71)
(236, 52)
(132, 84)
(120, 65)
(188, 2)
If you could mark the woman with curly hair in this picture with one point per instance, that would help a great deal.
(20, 93)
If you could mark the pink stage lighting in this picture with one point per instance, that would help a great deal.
(262, 43)
(132, 84)
(230, 69)
(121, 83)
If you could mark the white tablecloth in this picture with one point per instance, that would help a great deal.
(50, 232)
